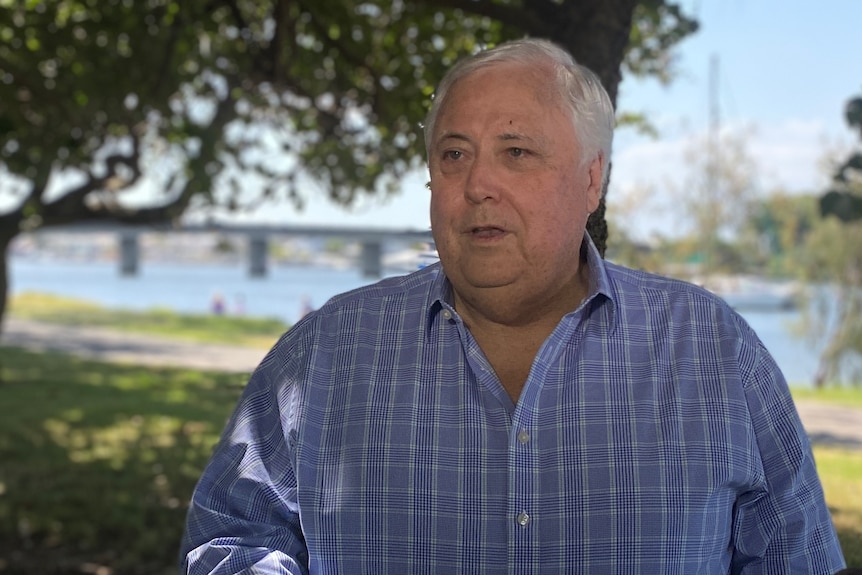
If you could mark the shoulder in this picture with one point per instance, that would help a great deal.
(387, 293)
(362, 316)
(664, 305)
(654, 291)
(349, 336)
(699, 326)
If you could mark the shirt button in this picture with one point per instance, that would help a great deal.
(523, 519)
(523, 436)
(447, 314)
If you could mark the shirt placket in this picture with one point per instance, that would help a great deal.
(525, 486)
(523, 513)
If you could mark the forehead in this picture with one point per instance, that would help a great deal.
(505, 93)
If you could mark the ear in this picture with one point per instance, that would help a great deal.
(594, 186)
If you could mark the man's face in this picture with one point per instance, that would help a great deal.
(509, 203)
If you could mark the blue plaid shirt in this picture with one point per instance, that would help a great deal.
(654, 435)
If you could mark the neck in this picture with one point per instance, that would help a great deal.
(504, 309)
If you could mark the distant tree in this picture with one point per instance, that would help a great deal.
(228, 102)
(717, 192)
(832, 264)
(834, 258)
(843, 200)
(778, 226)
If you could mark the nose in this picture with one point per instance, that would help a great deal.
(483, 181)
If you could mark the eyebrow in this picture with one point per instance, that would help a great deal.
(453, 136)
(505, 137)
(508, 136)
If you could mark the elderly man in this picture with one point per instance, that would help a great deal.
(523, 407)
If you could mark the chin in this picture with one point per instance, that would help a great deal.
(488, 279)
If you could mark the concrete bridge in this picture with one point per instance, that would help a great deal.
(371, 240)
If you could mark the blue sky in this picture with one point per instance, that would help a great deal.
(785, 72)
(786, 69)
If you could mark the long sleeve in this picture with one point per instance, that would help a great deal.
(785, 526)
(243, 516)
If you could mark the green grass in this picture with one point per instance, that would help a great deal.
(97, 461)
(841, 474)
(838, 395)
(206, 328)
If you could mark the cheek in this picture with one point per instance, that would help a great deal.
(561, 220)
(434, 203)
(444, 199)
(442, 216)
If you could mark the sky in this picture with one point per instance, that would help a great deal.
(785, 70)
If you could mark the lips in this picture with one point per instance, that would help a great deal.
(486, 232)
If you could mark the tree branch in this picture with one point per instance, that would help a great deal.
(72, 205)
(10, 225)
(281, 34)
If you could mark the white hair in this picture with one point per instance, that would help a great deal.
(582, 91)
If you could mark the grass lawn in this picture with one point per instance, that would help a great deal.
(843, 395)
(206, 328)
(841, 475)
(97, 461)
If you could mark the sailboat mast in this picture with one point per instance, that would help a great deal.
(712, 169)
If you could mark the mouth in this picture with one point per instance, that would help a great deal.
(486, 232)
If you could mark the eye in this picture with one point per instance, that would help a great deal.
(517, 152)
(452, 155)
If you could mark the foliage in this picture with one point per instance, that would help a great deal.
(629, 252)
(782, 236)
(844, 200)
(833, 256)
(205, 92)
(777, 227)
(717, 194)
(240, 331)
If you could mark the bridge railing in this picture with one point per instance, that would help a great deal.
(258, 237)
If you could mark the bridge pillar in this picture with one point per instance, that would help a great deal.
(129, 253)
(258, 245)
(371, 259)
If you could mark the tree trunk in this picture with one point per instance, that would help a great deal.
(596, 33)
(7, 234)
(5, 242)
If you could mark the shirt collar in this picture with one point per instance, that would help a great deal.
(601, 287)
(440, 294)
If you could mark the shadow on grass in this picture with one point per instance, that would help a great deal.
(851, 544)
(97, 461)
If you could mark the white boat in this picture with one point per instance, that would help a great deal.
(408, 261)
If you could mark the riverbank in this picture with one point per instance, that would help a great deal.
(826, 424)
(116, 346)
